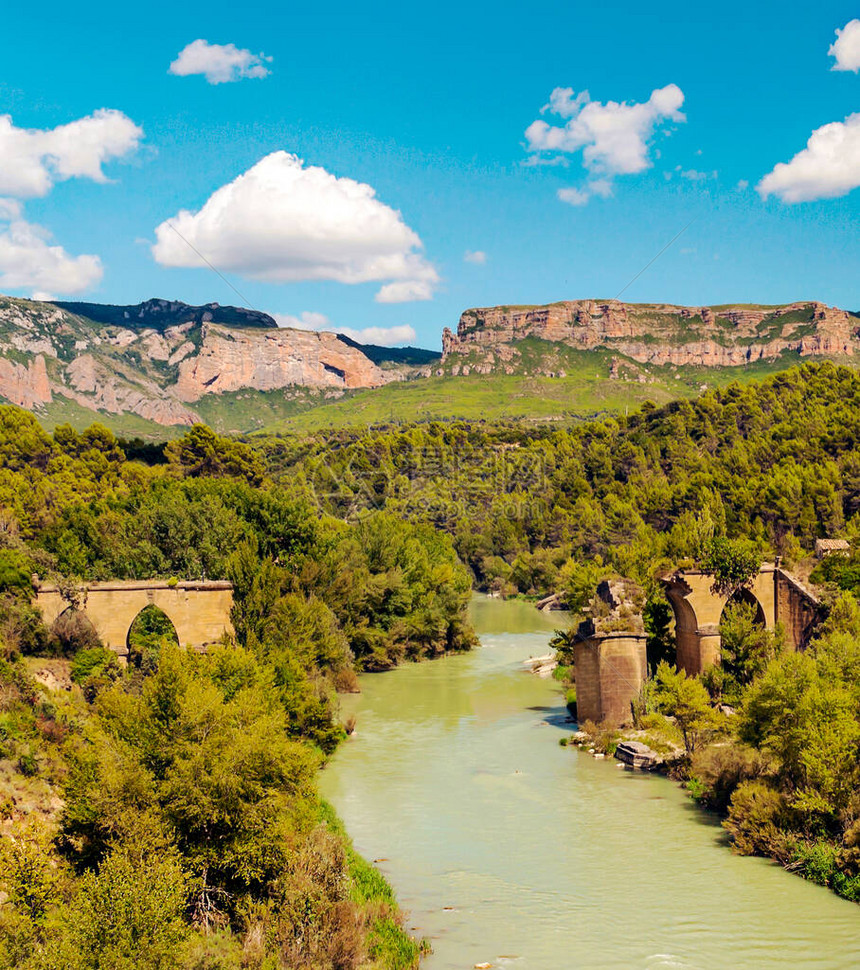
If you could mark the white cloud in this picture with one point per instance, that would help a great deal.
(694, 175)
(29, 261)
(477, 256)
(281, 222)
(409, 291)
(742, 185)
(580, 196)
(219, 63)
(308, 320)
(846, 47)
(574, 196)
(383, 336)
(828, 167)
(613, 137)
(31, 160)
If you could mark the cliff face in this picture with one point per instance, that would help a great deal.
(158, 359)
(229, 360)
(720, 336)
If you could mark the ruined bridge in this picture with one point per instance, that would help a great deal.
(610, 656)
(199, 611)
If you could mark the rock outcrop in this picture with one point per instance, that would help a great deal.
(159, 358)
(660, 334)
(229, 360)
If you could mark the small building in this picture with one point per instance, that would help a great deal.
(832, 547)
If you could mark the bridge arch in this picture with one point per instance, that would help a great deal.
(199, 611)
(747, 598)
(147, 632)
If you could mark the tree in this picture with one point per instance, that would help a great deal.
(685, 699)
(732, 561)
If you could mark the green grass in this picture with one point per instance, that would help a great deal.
(585, 391)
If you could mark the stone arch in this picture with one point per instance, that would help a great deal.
(697, 610)
(199, 611)
(748, 598)
(72, 628)
(150, 623)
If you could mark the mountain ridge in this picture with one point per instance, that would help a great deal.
(167, 363)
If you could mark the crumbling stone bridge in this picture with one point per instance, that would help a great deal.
(610, 654)
(199, 611)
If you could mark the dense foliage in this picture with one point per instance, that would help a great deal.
(770, 737)
(773, 465)
(180, 821)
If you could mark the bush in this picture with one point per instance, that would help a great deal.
(719, 770)
(816, 861)
(72, 632)
(93, 661)
(757, 815)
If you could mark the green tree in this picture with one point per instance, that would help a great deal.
(685, 699)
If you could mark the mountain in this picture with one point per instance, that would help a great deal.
(160, 359)
(161, 365)
(657, 334)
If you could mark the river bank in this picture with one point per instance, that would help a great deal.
(504, 848)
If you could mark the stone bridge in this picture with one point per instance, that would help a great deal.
(612, 665)
(777, 597)
(199, 611)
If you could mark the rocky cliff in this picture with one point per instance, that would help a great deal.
(159, 358)
(660, 334)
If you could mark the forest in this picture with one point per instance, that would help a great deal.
(164, 814)
(735, 477)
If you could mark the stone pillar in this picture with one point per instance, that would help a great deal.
(709, 648)
(610, 671)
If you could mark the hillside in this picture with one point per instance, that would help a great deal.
(153, 364)
(153, 368)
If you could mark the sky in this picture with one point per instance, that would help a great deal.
(377, 168)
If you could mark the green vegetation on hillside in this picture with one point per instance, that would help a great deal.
(164, 814)
(737, 475)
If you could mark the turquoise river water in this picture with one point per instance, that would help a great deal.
(505, 848)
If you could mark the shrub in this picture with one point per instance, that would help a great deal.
(93, 661)
(72, 632)
(28, 765)
(756, 818)
(816, 861)
(719, 770)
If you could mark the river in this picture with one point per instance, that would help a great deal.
(504, 847)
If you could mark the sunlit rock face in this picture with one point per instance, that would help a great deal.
(720, 336)
(157, 359)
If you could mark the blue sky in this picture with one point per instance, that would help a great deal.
(428, 106)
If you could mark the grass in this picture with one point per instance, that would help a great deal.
(389, 946)
(581, 389)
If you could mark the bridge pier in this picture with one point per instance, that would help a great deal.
(609, 654)
(610, 671)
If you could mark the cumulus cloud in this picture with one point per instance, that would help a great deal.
(283, 222)
(219, 63)
(613, 137)
(409, 291)
(29, 261)
(828, 167)
(846, 47)
(383, 336)
(574, 196)
(477, 256)
(32, 160)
